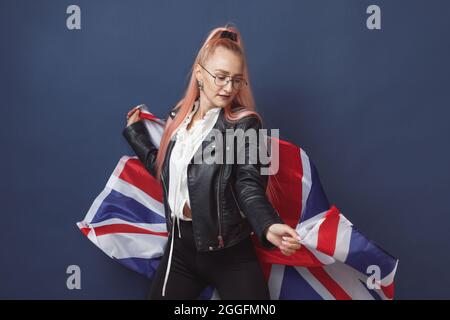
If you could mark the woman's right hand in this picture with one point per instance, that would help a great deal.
(284, 237)
(133, 116)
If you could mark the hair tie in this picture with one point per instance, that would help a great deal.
(229, 34)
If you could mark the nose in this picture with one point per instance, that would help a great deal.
(228, 87)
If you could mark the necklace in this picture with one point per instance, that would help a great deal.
(195, 117)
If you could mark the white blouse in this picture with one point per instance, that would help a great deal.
(187, 143)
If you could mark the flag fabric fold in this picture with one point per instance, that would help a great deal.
(336, 261)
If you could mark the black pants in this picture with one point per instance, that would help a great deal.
(235, 271)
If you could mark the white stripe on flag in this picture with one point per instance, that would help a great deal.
(96, 204)
(156, 131)
(306, 179)
(132, 245)
(155, 227)
(137, 194)
(275, 280)
(343, 237)
(314, 283)
(105, 192)
(386, 281)
(308, 230)
(349, 280)
(309, 233)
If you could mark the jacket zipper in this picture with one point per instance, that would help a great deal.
(237, 203)
(167, 195)
(219, 237)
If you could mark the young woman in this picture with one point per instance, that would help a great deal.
(217, 206)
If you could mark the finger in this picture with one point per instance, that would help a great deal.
(135, 112)
(293, 246)
(287, 248)
(289, 239)
(132, 111)
(132, 119)
(135, 116)
(292, 233)
(273, 239)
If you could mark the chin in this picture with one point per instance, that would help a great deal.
(222, 102)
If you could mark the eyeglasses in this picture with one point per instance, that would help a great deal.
(221, 80)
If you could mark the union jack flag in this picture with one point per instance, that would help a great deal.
(127, 222)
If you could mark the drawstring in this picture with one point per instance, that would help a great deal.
(170, 253)
(179, 230)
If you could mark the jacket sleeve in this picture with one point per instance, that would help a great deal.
(251, 187)
(138, 138)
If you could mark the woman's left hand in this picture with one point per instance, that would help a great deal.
(284, 237)
(133, 116)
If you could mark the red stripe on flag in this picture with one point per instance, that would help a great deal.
(332, 286)
(85, 231)
(302, 257)
(122, 228)
(151, 117)
(287, 183)
(136, 174)
(326, 241)
(388, 291)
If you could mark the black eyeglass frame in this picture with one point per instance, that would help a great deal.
(230, 79)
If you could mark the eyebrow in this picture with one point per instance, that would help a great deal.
(224, 71)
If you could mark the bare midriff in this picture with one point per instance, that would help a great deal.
(187, 211)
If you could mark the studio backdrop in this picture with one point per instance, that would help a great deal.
(362, 86)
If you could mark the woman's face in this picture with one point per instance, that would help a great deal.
(221, 62)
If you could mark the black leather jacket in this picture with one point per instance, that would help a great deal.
(228, 202)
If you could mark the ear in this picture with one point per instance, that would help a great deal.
(198, 72)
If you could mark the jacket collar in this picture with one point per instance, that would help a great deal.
(222, 124)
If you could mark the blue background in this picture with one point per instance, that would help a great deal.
(370, 107)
